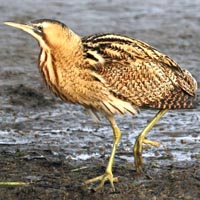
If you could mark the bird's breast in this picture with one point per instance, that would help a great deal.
(49, 71)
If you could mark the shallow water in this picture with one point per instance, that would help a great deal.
(42, 121)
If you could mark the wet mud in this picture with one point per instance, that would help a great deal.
(54, 146)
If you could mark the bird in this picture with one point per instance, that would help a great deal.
(110, 74)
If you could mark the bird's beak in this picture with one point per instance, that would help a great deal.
(29, 28)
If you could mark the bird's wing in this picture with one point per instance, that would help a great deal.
(134, 70)
(119, 47)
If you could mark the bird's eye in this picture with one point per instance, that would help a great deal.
(39, 28)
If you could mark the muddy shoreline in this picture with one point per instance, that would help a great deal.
(55, 146)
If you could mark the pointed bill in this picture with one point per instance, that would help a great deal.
(24, 27)
(29, 28)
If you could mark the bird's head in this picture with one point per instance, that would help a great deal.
(48, 32)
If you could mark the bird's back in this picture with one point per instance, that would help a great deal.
(135, 72)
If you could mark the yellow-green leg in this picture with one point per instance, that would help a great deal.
(137, 150)
(108, 173)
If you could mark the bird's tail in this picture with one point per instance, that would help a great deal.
(178, 99)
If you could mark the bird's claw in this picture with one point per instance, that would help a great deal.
(139, 163)
(137, 151)
(103, 178)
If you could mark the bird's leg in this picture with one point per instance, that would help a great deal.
(108, 173)
(137, 150)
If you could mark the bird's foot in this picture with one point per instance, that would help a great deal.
(108, 176)
(137, 151)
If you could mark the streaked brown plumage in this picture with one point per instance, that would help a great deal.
(132, 67)
(110, 74)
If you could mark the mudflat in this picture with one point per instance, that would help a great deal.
(54, 146)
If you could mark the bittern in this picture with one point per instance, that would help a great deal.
(110, 74)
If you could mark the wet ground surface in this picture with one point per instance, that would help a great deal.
(55, 146)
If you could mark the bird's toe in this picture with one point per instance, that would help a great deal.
(102, 179)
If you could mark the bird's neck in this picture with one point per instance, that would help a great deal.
(68, 54)
(54, 62)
